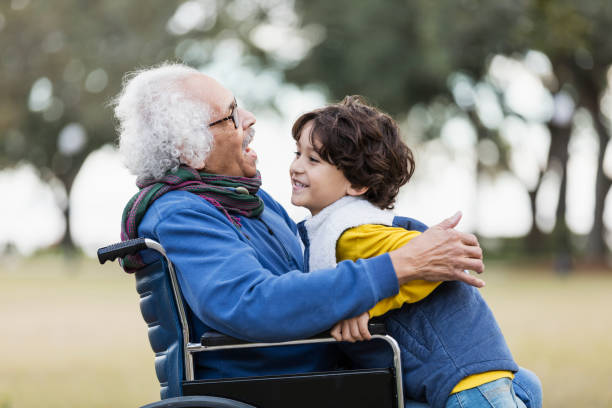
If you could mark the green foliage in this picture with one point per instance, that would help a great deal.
(79, 52)
(66, 42)
(399, 53)
(84, 50)
(403, 53)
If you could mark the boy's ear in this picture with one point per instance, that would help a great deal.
(356, 191)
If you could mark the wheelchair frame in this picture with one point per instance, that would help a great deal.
(211, 340)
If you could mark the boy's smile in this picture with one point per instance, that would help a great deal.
(297, 186)
(315, 182)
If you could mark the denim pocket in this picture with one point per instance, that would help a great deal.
(494, 394)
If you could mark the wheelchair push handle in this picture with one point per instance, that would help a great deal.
(121, 249)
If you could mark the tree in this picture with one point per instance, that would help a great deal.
(61, 64)
(63, 61)
(402, 53)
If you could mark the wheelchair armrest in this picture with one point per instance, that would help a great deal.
(213, 339)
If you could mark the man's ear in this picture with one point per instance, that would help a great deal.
(356, 191)
(194, 161)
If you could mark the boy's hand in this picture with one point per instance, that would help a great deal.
(353, 329)
(440, 254)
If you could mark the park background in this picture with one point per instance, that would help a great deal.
(506, 105)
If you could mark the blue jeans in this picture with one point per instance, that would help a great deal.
(526, 385)
(524, 391)
(528, 388)
(497, 394)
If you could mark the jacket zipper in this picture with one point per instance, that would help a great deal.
(288, 257)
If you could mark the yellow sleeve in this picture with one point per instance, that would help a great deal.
(475, 380)
(368, 240)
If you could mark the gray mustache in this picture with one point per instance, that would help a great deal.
(248, 139)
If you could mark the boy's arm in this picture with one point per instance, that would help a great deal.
(371, 240)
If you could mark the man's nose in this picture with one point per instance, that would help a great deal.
(248, 119)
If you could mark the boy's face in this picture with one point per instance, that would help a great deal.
(316, 183)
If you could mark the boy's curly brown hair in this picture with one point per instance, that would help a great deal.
(362, 142)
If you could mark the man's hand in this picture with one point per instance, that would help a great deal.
(440, 254)
(353, 329)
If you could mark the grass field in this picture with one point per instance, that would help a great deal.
(72, 335)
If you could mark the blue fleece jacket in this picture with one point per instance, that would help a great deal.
(250, 283)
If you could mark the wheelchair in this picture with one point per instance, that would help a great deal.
(163, 309)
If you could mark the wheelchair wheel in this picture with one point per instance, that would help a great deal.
(197, 402)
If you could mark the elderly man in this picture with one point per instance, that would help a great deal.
(237, 252)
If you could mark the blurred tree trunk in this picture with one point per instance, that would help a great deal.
(67, 243)
(535, 241)
(559, 141)
(596, 246)
(597, 249)
(67, 178)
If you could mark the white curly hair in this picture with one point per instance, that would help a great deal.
(160, 125)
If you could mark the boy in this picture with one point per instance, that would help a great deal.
(349, 165)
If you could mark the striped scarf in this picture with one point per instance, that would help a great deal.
(233, 196)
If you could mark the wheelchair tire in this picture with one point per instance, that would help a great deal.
(198, 401)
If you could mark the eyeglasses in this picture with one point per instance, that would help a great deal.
(233, 116)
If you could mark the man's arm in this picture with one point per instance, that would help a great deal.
(229, 289)
(440, 254)
(356, 243)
